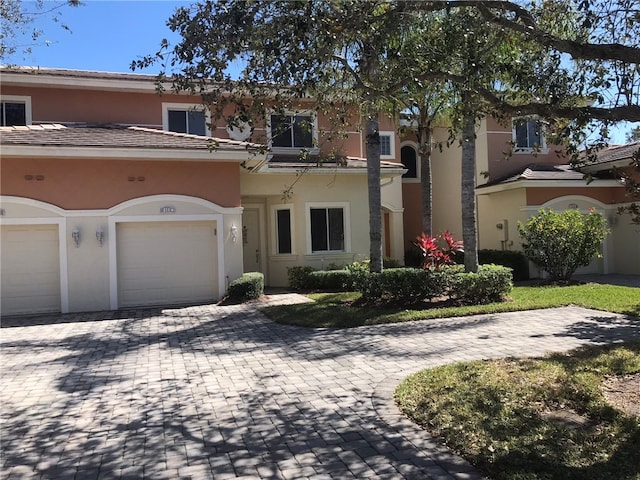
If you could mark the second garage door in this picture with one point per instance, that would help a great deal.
(30, 269)
(166, 263)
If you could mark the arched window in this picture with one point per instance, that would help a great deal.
(409, 158)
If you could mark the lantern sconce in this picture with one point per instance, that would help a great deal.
(234, 233)
(100, 235)
(75, 235)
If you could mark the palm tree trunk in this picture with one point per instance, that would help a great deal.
(424, 150)
(469, 221)
(375, 199)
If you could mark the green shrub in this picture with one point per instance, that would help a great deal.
(492, 283)
(330, 280)
(517, 261)
(412, 285)
(388, 262)
(560, 242)
(248, 287)
(299, 277)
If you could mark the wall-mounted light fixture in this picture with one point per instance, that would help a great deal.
(233, 231)
(75, 234)
(100, 235)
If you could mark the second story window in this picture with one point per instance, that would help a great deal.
(292, 131)
(387, 145)
(409, 158)
(15, 111)
(182, 118)
(528, 134)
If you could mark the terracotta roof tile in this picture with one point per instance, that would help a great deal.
(113, 136)
(540, 172)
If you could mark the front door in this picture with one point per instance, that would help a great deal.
(251, 244)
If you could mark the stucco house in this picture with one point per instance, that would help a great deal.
(113, 196)
(517, 174)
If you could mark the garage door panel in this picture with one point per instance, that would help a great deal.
(30, 269)
(168, 262)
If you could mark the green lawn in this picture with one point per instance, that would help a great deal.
(509, 417)
(338, 309)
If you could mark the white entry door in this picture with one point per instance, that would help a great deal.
(251, 241)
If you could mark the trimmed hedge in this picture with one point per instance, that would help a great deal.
(300, 277)
(248, 287)
(491, 283)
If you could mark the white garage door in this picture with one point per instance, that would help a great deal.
(30, 269)
(166, 263)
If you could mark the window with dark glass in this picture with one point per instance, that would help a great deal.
(327, 229)
(528, 133)
(385, 145)
(283, 231)
(409, 160)
(13, 113)
(187, 121)
(292, 131)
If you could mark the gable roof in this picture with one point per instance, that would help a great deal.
(118, 140)
(612, 156)
(539, 172)
(543, 175)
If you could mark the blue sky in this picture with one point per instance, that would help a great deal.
(107, 35)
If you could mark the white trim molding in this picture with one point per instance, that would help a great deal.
(274, 228)
(414, 145)
(392, 144)
(185, 107)
(346, 221)
(26, 99)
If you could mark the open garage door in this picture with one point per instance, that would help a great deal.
(162, 263)
(30, 259)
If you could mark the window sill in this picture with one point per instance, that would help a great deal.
(531, 151)
(294, 150)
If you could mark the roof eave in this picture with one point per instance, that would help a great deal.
(502, 187)
(128, 153)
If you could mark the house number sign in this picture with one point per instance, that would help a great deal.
(168, 210)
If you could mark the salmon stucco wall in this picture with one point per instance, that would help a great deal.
(77, 184)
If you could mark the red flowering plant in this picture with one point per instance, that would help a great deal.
(433, 254)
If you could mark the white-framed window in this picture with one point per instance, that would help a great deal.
(387, 145)
(185, 118)
(328, 227)
(15, 110)
(410, 161)
(292, 131)
(528, 135)
(283, 240)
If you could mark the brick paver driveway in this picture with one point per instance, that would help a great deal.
(221, 392)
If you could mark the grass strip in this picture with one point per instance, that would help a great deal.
(338, 310)
(516, 418)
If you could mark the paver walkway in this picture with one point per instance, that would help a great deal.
(222, 392)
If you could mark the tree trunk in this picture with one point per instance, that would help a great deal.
(424, 150)
(469, 227)
(375, 201)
